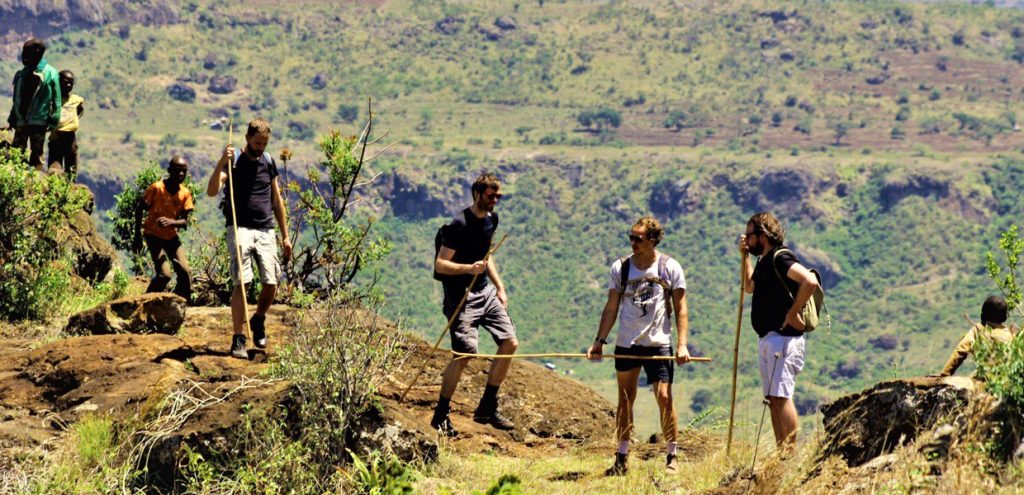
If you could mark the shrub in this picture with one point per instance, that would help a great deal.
(35, 270)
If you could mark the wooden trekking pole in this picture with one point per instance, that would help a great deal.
(736, 352)
(454, 315)
(466, 355)
(234, 231)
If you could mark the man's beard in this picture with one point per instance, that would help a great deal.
(757, 250)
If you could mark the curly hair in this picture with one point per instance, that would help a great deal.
(485, 182)
(258, 127)
(654, 230)
(766, 223)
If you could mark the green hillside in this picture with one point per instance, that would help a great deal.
(883, 133)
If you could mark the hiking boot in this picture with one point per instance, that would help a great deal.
(259, 330)
(619, 468)
(491, 416)
(443, 425)
(238, 349)
(670, 464)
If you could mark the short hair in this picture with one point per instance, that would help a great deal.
(994, 310)
(485, 182)
(66, 73)
(258, 126)
(177, 159)
(654, 230)
(34, 45)
(766, 223)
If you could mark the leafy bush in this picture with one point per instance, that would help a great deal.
(380, 475)
(35, 270)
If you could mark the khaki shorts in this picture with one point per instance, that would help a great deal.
(261, 244)
(778, 375)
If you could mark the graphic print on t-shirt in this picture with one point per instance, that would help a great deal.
(643, 294)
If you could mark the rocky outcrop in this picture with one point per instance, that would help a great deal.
(45, 18)
(181, 92)
(670, 199)
(93, 256)
(222, 85)
(160, 312)
(971, 205)
(449, 25)
(862, 426)
(412, 201)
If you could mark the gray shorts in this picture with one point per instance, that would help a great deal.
(258, 244)
(778, 376)
(481, 309)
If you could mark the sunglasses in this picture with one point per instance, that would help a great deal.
(496, 195)
(635, 238)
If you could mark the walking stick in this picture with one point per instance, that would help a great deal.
(757, 440)
(736, 353)
(454, 315)
(234, 230)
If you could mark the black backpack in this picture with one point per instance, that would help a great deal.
(437, 248)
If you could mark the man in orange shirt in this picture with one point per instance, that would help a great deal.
(168, 205)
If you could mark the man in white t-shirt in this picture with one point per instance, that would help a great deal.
(646, 299)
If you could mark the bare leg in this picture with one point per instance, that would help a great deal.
(499, 367)
(627, 381)
(450, 378)
(669, 417)
(784, 420)
(266, 298)
(238, 315)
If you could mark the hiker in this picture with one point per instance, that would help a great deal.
(993, 326)
(169, 204)
(63, 139)
(646, 291)
(257, 204)
(37, 103)
(463, 245)
(780, 286)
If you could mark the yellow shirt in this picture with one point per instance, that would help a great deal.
(163, 204)
(999, 333)
(69, 114)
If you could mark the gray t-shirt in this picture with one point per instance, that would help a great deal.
(642, 311)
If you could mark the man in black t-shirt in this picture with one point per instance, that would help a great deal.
(257, 204)
(780, 286)
(464, 244)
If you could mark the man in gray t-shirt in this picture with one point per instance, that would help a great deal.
(645, 300)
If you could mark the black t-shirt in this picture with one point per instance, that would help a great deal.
(771, 301)
(470, 238)
(252, 192)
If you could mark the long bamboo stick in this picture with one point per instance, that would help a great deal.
(463, 355)
(234, 230)
(736, 353)
(454, 315)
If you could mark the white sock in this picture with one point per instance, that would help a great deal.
(623, 447)
(672, 448)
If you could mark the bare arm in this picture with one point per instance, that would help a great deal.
(682, 325)
(218, 177)
(277, 202)
(445, 266)
(492, 273)
(748, 267)
(611, 311)
(808, 283)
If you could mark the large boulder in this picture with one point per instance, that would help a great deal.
(862, 426)
(223, 85)
(94, 257)
(159, 312)
(182, 92)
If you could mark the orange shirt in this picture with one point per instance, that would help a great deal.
(164, 204)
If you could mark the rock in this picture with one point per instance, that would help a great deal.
(210, 62)
(505, 23)
(831, 272)
(787, 56)
(149, 313)
(319, 81)
(412, 201)
(671, 199)
(222, 85)
(862, 426)
(449, 25)
(94, 256)
(182, 93)
(767, 43)
(490, 34)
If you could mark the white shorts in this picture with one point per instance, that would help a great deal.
(259, 243)
(778, 376)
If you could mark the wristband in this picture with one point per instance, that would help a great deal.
(602, 341)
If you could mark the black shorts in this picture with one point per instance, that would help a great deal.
(656, 371)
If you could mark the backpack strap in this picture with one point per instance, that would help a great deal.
(779, 275)
(623, 276)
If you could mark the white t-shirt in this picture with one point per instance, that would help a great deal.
(642, 310)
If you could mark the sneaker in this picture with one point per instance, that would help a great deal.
(619, 468)
(238, 349)
(670, 464)
(259, 330)
(493, 418)
(444, 426)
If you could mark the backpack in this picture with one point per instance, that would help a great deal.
(811, 312)
(438, 237)
(662, 279)
(224, 198)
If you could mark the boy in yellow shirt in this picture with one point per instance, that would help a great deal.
(63, 138)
